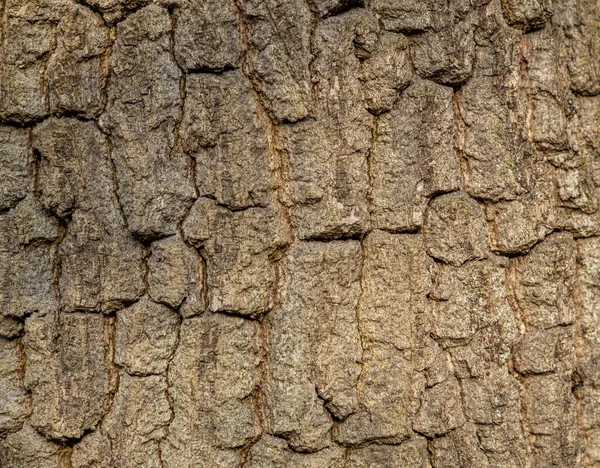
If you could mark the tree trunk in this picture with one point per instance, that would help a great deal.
(299, 233)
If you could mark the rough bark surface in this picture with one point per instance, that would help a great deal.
(299, 233)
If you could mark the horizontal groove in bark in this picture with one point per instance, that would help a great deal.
(314, 233)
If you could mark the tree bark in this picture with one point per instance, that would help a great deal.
(299, 233)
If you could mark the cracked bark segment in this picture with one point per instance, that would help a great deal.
(512, 227)
(579, 20)
(384, 390)
(10, 328)
(279, 56)
(413, 157)
(114, 11)
(62, 146)
(272, 452)
(207, 35)
(411, 453)
(385, 72)
(491, 402)
(473, 320)
(213, 377)
(468, 299)
(389, 325)
(490, 141)
(14, 404)
(28, 448)
(584, 132)
(28, 34)
(326, 165)
(544, 281)
(527, 14)
(176, 276)
(547, 83)
(516, 225)
(440, 410)
(15, 157)
(550, 412)
(548, 123)
(431, 360)
(314, 346)
(112, 274)
(328, 195)
(489, 349)
(412, 16)
(445, 56)
(388, 307)
(535, 353)
(67, 404)
(94, 450)
(76, 71)
(76, 184)
(146, 337)
(135, 425)
(500, 459)
(584, 141)
(404, 15)
(237, 246)
(223, 131)
(459, 449)
(455, 230)
(576, 190)
(144, 105)
(559, 126)
(27, 260)
(336, 374)
(498, 46)
(587, 390)
(21, 85)
(576, 183)
(544, 52)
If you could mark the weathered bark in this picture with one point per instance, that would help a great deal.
(299, 233)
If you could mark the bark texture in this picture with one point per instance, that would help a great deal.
(299, 233)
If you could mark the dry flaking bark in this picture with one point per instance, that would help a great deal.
(299, 233)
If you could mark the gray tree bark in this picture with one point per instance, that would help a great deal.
(299, 233)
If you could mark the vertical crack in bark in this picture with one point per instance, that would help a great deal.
(512, 118)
